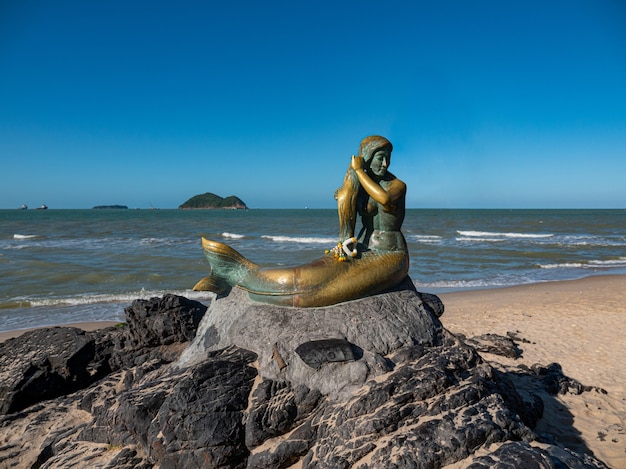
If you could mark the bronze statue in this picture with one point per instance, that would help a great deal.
(359, 266)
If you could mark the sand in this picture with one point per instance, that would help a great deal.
(86, 326)
(579, 324)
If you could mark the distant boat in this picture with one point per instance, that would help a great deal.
(23, 207)
(43, 207)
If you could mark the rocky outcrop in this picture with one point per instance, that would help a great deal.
(372, 383)
(369, 330)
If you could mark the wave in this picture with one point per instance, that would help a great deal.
(300, 239)
(23, 236)
(488, 234)
(233, 235)
(592, 264)
(480, 240)
(470, 284)
(90, 299)
(586, 240)
(145, 241)
(427, 239)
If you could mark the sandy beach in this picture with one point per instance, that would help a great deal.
(579, 324)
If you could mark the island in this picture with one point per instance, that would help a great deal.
(109, 207)
(212, 201)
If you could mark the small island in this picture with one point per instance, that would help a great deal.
(212, 201)
(110, 207)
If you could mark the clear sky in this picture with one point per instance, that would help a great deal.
(489, 104)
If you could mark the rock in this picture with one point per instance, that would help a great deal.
(317, 352)
(47, 363)
(407, 393)
(163, 321)
(52, 362)
(276, 409)
(555, 382)
(158, 329)
(495, 344)
(523, 454)
(374, 327)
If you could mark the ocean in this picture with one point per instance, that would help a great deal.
(63, 266)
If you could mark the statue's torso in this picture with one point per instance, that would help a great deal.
(381, 228)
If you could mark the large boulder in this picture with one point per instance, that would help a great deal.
(334, 349)
(47, 363)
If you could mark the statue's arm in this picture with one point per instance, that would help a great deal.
(395, 191)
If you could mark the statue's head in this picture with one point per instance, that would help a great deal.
(370, 145)
(376, 152)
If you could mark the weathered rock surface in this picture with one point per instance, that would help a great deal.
(373, 328)
(407, 393)
(47, 363)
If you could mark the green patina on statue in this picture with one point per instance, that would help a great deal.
(359, 266)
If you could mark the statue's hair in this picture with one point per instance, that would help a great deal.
(370, 145)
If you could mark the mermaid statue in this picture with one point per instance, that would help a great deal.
(375, 260)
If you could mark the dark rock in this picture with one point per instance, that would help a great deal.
(156, 330)
(47, 363)
(414, 396)
(276, 408)
(185, 418)
(556, 382)
(521, 454)
(51, 362)
(317, 352)
(433, 303)
(163, 321)
(495, 344)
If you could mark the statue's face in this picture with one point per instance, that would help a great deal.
(380, 162)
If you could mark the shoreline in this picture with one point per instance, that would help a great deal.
(579, 324)
(589, 314)
(605, 287)
(85, 325)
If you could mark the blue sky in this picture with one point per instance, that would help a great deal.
(489, 104)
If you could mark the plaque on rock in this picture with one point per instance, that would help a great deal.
(317, 352)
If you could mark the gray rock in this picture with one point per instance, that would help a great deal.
(375, 327)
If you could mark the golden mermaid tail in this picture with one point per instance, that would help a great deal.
(321, 282)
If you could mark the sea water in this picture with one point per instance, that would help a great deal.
(61, 266)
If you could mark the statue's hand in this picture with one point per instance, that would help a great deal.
(357, 162)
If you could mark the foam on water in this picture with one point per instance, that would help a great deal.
(592, 264)
(22, 236)
(233, 235)
(488, 235)
(300, 239)
(426, 239)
